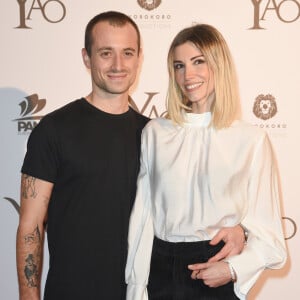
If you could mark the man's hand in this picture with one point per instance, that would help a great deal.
(213, 274)
(234, 239)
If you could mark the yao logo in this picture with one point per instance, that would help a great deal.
(265, 107)
(287, 11)
(29, 107)
(53, 11)
(149, 4)
(153, 110)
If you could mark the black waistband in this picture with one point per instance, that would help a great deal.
(183, 248)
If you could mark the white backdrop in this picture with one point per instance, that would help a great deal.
(40, 60)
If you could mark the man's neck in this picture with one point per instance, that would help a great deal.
(114, 105)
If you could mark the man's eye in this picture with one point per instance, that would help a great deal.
(128, 53)
(105, 54)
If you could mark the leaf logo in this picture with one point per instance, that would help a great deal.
(30, 106)
(14, 203)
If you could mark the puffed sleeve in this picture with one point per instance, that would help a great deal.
(266, 246)
(140, 237)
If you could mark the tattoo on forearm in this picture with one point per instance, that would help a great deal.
(28, 186)
(33, 237)
(32, 261)
(46, 200)
(31, 271)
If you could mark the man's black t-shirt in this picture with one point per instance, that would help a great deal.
(92, 158)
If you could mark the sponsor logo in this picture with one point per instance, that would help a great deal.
(287, 11)
(53, 11)
(291, 227)
(265, 107)
(151, 20)
(29, 108)
(149, 4)
(153, 111)
(14, 203)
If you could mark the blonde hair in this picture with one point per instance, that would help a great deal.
(226, 105)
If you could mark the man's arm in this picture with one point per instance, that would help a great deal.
(215, 272)
(234, 239)
(35, 196)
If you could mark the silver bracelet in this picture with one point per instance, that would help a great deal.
(246, 233)
(232, 272)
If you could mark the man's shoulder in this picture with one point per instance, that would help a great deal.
(66, 109)
(143, 120)
(56, 119)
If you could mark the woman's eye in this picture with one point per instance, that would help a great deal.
(178, 66)
(199, 61)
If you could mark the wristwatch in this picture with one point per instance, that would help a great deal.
(246, 232)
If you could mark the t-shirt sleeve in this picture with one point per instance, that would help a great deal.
(41, 159)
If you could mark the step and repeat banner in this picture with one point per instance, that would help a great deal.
(42, 69)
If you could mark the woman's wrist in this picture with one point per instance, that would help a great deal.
(232, 272)
(246, 232)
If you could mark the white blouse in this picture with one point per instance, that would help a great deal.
(193, 181)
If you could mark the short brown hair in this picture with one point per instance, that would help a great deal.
(114, 18)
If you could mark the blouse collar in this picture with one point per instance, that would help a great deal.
(199, 120)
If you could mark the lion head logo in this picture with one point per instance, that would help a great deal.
(149, 4)
(265, 106)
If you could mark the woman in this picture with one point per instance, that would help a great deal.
(202, 169)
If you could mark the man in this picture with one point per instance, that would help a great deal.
(79, 177)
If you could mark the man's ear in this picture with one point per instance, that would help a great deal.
(141, 57)
(141, 53)
(86, 58)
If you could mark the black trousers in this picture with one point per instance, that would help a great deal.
(170, 279)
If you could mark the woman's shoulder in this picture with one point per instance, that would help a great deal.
(159, 123)
(248, 130)
(246, 133)
(158, 128)
(241, 135)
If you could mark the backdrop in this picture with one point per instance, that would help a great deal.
(42, 69)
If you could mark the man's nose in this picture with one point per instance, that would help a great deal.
(117, 62)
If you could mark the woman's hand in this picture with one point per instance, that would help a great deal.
(213, 274)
